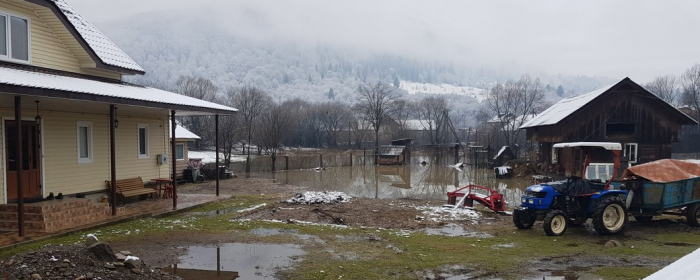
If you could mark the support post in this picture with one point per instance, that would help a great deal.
(19, 163)
(216, 139)
(350, 159)
(112, 159)
(320, 160)
(172, 151)
(286, 162)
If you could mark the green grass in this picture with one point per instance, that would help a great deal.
(367, 253)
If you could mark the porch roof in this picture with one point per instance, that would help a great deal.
(46, 83)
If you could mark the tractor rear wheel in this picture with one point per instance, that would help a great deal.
(610, 216)
(523, 219)
(693, 215)
(555, 223)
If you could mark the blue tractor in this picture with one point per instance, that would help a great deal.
(575, 200)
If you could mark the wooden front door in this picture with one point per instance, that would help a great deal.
(31, 161)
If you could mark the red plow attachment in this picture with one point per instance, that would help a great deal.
(493, 200)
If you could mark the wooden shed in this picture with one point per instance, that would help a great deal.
(624, 112)
(392, 154)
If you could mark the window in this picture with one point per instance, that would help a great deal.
(143, 141)
(180, 151)
(630, 152)
(600, 171)
(14, 38)
(84, 142)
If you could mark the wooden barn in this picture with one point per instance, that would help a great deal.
(624, 112)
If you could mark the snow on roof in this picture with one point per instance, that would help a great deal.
(503, 149)
(18, 77)
(103, 47)
(687, 267)
(182, 133)
(417, 125)
(389, 150)
(564, 108)
(605, 145)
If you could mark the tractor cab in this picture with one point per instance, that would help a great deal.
(574, 200)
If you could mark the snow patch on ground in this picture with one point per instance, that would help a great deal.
(252, 208)
(324, 197)
(442, 214)
(424, 88)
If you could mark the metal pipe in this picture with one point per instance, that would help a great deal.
(19, 162)
(172, 150)
(216, 139)
(113, 158)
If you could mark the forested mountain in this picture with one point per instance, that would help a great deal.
(171, 44)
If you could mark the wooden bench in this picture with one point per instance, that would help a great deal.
(131, 187)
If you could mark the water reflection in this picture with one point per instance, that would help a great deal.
(232, 260)
(415, 181)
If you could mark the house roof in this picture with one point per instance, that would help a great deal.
(37, 82)
(98, 46)
(568, 106)
(182, 133)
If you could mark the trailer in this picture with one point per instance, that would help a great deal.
(664, 186)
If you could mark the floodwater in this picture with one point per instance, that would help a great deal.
(233, 260)
(412, 181)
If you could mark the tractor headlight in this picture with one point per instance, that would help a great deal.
(523, 200)
(531, 201)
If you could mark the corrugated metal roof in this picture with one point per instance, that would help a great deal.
(564, 108)
(664, 171)
(103, 47)
(182, 133)
(19, 77)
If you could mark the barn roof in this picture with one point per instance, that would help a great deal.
(570, 105)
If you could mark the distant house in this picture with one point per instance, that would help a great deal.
(624, 112)
(182, 139)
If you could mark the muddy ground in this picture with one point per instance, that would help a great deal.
(386, 238)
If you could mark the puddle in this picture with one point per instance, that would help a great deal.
(456, 230)
(233, 260)
(215, 212)
(272, 231)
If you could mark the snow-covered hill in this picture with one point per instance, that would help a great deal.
(425, 88)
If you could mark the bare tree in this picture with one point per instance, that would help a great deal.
(204, 89)
(433, 114)
(378, 102)
(666, 87)
(274, 129)
(691, 87)
(230, 131)
(334, 117)
(514, 103)
(404, 110)
(250, 102)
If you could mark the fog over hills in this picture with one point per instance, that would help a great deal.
(171, 44)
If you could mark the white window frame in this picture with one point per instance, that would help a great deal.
(8, 47)
(138, 141)
(636, 152)
(608, 166)
(183, 151)
(90, 141)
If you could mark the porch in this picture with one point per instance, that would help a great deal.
(74, 214)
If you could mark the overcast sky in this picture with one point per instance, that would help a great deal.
(617, 39)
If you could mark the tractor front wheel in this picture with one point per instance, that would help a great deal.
(555, 223)
(523, 219)
(610, 216)
(693, 215)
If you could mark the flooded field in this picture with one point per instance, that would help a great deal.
(414, 181)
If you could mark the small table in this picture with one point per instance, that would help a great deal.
(164, 184)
